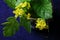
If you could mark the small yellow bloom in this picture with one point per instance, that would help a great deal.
(24, 4)
(28, 16)
(18, 12)
(19, 5)
(37, 25)
(38, 20)
(41, 24)
(28, 6)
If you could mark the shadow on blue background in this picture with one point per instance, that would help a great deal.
(22, 34)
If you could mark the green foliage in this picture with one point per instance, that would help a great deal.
(10, 27)
(19, 1)
(43, 8)
(25, 23)
(10, 3)
(13, 3)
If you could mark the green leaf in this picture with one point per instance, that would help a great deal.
(25, 23)
(19, 1)
(13, 3)
(10, 3)
(10, 27)
(43, 8)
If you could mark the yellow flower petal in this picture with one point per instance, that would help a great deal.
(21, 12)
(28, 6)
(38, 20)
(19, 5)
(18, 12)
(41, 24)
(16, 16)
(41, 28)
(24, 4)
(28, 16)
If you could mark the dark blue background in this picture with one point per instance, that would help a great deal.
(22, 34)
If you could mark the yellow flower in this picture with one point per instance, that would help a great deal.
(41, 24)
(38, 20)
(19, 5)
(28, 16)
(24, 4)
(37, 25)
(18, 12)
(28, 6)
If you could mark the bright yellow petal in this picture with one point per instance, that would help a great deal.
(38, 20)
(41, 28)
(16, 16)
(21, 12)
(24, 4)
(28, 16)
(18, 12)
(28, 6)
(19, 5)
(41, 24)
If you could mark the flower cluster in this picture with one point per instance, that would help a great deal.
(20, 10)
(41, 24)
(24, 4)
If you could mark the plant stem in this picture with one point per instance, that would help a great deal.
(32, 18)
